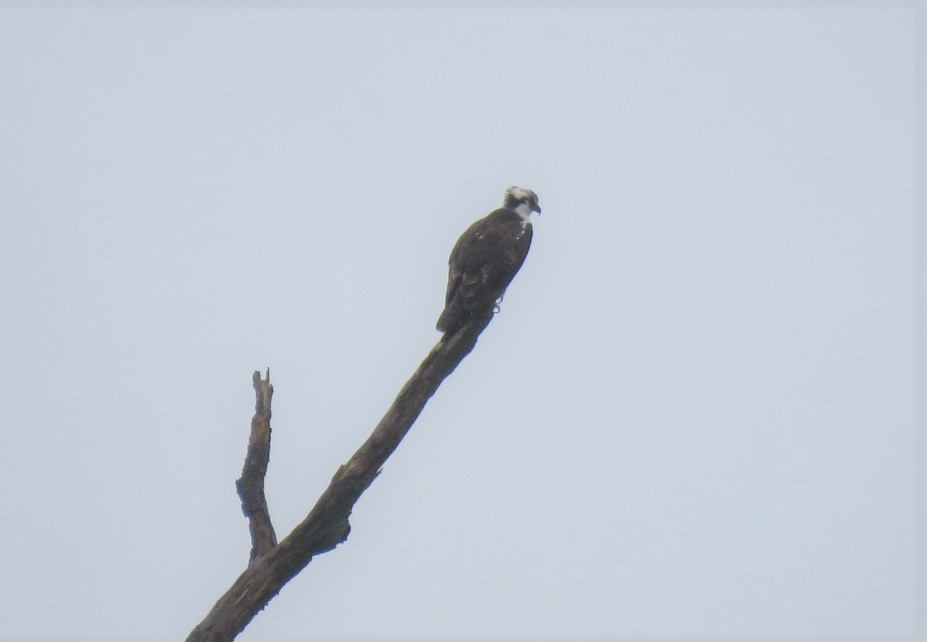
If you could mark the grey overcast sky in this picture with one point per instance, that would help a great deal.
(695, 415)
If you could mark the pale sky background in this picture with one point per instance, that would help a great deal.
(696, 415)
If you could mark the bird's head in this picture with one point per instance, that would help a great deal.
(522, 200)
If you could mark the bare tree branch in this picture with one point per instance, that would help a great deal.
(250, 485)
(327, 524)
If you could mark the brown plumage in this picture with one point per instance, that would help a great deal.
(486, 258)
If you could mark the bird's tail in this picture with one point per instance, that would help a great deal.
(452, 318)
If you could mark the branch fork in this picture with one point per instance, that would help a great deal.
(271, 564)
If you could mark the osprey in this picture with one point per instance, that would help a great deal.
(486, 258)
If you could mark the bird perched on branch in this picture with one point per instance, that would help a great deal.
(486, 258)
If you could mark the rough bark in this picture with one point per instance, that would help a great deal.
(272, 566)
(250, 485)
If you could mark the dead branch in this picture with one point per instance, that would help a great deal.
(250, 485)
(272, 566)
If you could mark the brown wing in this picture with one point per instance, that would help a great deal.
(482, 264)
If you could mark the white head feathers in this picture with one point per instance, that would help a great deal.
(522, 200)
